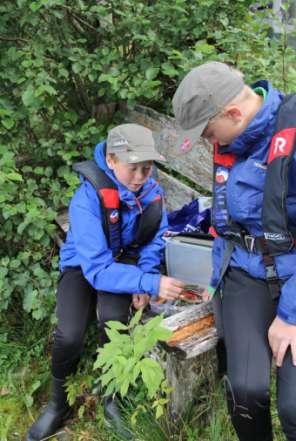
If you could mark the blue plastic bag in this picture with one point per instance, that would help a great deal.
(192, 219)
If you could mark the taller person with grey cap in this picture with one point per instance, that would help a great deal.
(253, 133)
(110, 261)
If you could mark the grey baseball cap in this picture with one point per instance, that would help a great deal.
(202, 94)
(132, 143)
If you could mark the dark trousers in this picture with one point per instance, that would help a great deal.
(77, 304)
(247, 311)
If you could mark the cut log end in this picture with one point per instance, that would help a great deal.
(198, 327)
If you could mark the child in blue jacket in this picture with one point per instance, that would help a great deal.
(253, 131)
(111, 257)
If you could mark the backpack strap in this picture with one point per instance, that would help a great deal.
(223, 162)
(278, 238)
(107, 192)
(149, 222)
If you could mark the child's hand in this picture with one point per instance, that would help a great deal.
(140, 300)
(170, 288)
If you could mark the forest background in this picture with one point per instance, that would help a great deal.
(66, 69)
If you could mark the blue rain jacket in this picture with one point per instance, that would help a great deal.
(86, 245)
(245, 197)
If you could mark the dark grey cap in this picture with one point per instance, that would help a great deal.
(132, 143)
(202, 94)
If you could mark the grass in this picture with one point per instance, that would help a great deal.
(89, 425)
(24, 386)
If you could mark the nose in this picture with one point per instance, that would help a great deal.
(140, 175)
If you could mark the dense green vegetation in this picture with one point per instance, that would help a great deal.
(66, 70)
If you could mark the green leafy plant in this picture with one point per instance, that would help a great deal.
(125, 361)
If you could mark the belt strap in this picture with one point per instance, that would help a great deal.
(272, 278)
(252, 244)
(259, 245)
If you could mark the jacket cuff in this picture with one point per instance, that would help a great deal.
(286, 317)
(150, 284)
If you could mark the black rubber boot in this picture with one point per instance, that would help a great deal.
(53, 416)
(114, 418)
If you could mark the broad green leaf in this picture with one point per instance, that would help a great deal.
(13, 176)
(151, 73)
(29, 299)
(162, 334)
(28, 96)
(34, 6)
(140, 348)
(106, 378)
(111, 388)
(8, 123)
(152, 375)
(112, 334)
(159, 412)
(76, 67)
(136, 319)
(136, 373)
(153, 323)
(124, 387)
(116, 325)
(169, 70)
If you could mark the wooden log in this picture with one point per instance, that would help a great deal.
(193, 329)
(189, 315)
(194, 346)
(62, 220)
(198, 328)
(176, 193)
(190, 379)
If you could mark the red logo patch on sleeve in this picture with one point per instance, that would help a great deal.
(281, 144)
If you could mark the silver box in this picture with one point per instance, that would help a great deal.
(189, 259)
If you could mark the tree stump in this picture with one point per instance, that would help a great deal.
(191, 364)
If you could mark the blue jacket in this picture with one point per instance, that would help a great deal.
(245, 197)
(86, 245)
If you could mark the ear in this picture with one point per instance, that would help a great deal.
(110, 161)
(233, 112)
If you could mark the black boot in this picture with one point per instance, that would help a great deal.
(53, 416)
(114, 418)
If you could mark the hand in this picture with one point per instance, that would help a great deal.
(170, 288)
(206, 296)
(281, 335)
(140, 300)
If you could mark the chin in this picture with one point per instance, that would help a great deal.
(135, 189)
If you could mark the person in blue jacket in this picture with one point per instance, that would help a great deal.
(94, 278)
(253, 132)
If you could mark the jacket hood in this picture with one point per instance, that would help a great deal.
(261, 125)
(142, 198)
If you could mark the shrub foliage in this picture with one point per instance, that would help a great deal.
(65, 69)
